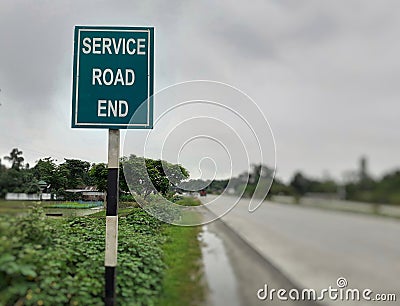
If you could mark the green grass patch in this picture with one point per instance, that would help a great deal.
(189, 201)
(74, 205)
(15, 207)
(183, 279)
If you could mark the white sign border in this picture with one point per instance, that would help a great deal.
(147, 124)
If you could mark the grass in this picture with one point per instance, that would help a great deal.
(15, 207)
(183, 280)
(11, 206)
(189, 201)
(122, 212)
(74, 205)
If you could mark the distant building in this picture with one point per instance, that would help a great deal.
(10, 196)
(89, 193)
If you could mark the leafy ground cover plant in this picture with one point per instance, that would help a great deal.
(59, 261)
(48, 261)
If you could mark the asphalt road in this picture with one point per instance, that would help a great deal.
(315, 247)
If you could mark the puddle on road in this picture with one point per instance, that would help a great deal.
(219, 273)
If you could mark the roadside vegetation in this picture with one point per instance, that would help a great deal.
(183, 284)
(49, 261)
(147, 176)
(356, 185)
(74, 205)
(60, 261)
(14, 207)
(188, 201)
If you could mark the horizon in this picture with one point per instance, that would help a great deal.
(322, 176)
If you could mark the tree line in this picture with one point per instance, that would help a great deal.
(160, 175)
(149, 176)
(358, 185)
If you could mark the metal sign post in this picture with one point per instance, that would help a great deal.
(110, 261)
(112, 89)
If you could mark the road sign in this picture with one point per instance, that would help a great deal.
(113, 77)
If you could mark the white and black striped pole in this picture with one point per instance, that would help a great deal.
(110, 260)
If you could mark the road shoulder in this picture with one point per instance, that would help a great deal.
(251, 269)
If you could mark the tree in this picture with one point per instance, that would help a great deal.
(76, 172)
(123, 185)
(32, 186)
(260, 171)
(45, 170)
(11, 180)
(98, 174)
(280, 188)
(199, 184)
(217, 186)
(15, 158)
(145, 176)
(300, 183)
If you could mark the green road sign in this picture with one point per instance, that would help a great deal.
(113, 77)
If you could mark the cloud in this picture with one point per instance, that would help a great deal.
(324, 73)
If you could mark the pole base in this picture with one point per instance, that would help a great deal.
(110, 277)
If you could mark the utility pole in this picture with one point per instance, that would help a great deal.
(110, 260)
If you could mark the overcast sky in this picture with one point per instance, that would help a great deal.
(326, 74)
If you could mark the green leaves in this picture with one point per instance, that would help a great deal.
(47, 261)
(145, 176)
(98, 174)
